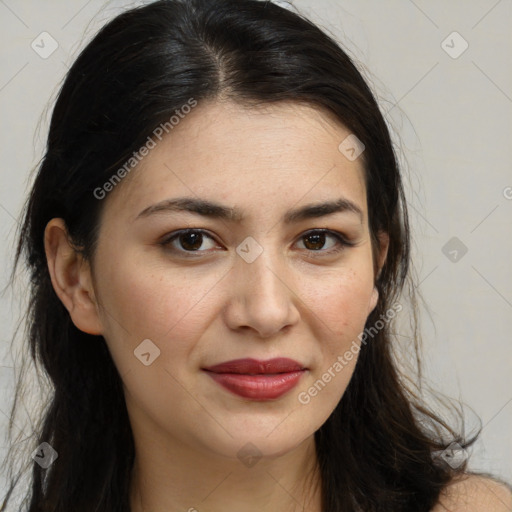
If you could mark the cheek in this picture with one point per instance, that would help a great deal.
(342, 310)
(142, 302)
(341, 303)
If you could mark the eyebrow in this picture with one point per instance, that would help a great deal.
(219, 211)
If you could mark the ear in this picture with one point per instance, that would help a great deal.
(71, 278)
(383, 238)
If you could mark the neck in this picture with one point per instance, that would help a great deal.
(181, 479)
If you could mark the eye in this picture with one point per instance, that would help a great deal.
(190, 240)
(316, 239)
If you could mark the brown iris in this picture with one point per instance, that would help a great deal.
(318, 240)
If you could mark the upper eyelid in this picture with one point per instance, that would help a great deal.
(175, 234)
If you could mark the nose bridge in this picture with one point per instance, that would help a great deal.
(263, 299)
(263, 272)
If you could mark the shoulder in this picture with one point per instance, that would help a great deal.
(475, 493)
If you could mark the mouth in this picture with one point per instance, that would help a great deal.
(257, 380)
(255, 367)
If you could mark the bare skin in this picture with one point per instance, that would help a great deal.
(299, 299)
(471, 493)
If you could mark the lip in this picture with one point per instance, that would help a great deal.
(255, 366)
(257, 380)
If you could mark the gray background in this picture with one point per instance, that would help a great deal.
(451, 120)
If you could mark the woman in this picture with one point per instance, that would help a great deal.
(218, 241)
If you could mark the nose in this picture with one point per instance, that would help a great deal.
(263, 298)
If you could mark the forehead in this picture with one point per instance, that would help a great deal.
(271, 154)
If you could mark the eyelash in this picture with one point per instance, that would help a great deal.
(343, 243)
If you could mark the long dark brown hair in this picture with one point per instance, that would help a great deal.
(377, 449)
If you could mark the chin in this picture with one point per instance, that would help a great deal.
(256, 442)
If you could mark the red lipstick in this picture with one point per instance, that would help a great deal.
(257, 380)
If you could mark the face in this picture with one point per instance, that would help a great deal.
(259, 283)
